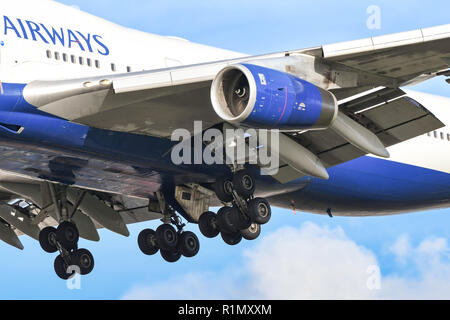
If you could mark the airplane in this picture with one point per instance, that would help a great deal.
(88, 110)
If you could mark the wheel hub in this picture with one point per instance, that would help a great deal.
(170, 237)
(191, 243)
(263, 210)
(247, 182)
(151, 240)
(85, 261)
(70, 234)
(228, 186)
(253, 228)
(52, 238)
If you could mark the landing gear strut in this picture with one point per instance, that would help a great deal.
(65, 238)
(243, 215)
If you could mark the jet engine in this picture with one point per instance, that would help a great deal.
(260, 97)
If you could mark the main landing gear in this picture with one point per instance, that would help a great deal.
(170, 240)
(244, 214)
(64, 239)
(241, 218)
(70, 259)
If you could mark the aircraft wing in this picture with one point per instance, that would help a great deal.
(26, 208)
(364, 75)
(157, 102)
(404, 57)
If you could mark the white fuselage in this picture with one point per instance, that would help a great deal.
(24, 59)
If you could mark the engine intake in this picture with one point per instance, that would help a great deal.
(260, 97)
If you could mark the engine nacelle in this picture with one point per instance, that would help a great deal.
(260, 97)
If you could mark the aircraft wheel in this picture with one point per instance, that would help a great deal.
(166, 237)
(188, 244)
(61, 268)
(147, 242)
(67, 235)
(223, 187)
(239, 220)
(252, 232)
(231, 239)
(170, 256)
(244, 183)
(47, 239)
(208, 224)
(84, 260)
(259, 210)
(223, 220)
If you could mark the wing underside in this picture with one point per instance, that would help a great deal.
(157, 101)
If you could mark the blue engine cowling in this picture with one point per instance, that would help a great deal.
(260, 97)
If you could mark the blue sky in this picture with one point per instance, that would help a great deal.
(411, 250)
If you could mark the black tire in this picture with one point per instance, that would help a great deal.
(208, 225)
(188, 244)
(223, 220)
(223, 188)
(252, 232)
(231, 239)
(67, 235)
(244, 183)
(47, 239)
(147, 242)
(61, 268)
(84, 260)
(259, 210)
(170, 256)
(239, 220)
(166, 237)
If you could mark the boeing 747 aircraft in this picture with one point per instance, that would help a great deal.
(92, 115)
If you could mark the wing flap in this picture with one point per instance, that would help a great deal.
(396, 112)
(411, 129)
(374, 98)
(393, 122)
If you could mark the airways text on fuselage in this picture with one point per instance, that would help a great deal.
(30, 30)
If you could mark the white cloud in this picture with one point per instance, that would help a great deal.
(430, 259)
(314, 263)
(433, 247)
(401, 248)
(191, 286)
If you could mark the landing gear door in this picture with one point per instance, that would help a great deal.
(194, 199)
